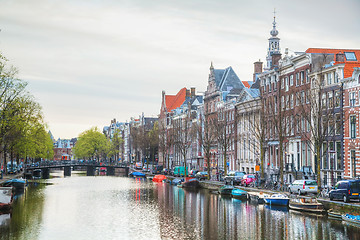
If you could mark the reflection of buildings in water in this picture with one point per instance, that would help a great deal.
(5, 219)
(201, 215)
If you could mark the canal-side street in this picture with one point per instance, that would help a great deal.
(104, 207)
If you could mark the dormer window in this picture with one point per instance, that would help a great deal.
(350, 56)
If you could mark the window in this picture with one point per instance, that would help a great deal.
(338, 156)
(275, 104)
(302, 77)
(282, 83)
(302, 99)
(307, 75)
(286, 84)
(337, 98)
(269, 80)
(325, 162)
(329, 78)
(308, 96)
(336, 77)
(353, 126)
(291, 101)
(352, 99)
(323, 100)
(291, 80)
(338, 124)
(330, 100)
(353, 163)
(297, 79)
(350, 56)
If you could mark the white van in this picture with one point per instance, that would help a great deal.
(303, 186)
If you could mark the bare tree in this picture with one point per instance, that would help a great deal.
(323, 115)
(182, 134)
(206, 131)
(253, 113)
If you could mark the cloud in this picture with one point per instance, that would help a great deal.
(90, 61)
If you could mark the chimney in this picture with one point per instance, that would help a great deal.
(187, 93)
(275, 60)
(257, 69)
(192, 92)
(340, 57)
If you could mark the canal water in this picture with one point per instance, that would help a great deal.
(102, 207)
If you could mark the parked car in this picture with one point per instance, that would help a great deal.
(234, 177)
(193, 172)
(345, 190)
(247, 179)
(157, 169)
(303, 186)
(201, 175)
(138, 165)
(165, 171)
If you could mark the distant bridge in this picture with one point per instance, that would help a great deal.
(31, 170)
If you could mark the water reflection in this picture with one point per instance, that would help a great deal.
(105, 207)
(200, 215)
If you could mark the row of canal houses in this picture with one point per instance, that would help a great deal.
(297, 107)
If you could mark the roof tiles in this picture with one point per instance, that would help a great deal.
(349, 65)
(175, 101)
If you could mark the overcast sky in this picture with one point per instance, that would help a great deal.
(90, 61)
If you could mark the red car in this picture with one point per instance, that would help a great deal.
(247, 179)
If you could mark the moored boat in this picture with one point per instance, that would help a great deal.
(352, 219)
(257, 197)
(277, 199)
(17, 183)
(6, 198)
(226, 190)
(335, 215)
(307, 205)
(159, 178)
(137, 175)
(191, 183)
(176, 181)
(239, 194)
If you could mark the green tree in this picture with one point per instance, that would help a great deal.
(91, 144)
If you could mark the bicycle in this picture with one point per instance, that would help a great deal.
(324, 192)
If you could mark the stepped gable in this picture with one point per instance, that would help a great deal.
(349, 63)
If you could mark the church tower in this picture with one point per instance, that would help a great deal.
(274, 45)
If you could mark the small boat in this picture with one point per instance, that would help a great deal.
(176, 181)
(137, 175)
(17, 183)
(352, 219)
(276, 199)
(36, 174)
(257, 197)
(307, 205)
(6, 198)
(239, 194)
(191, 183)
(226, 190)
(159, 178)
(334, 215)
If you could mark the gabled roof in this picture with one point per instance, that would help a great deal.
(247, 83)
(175, 101)
(226, 79)
(349, 65)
